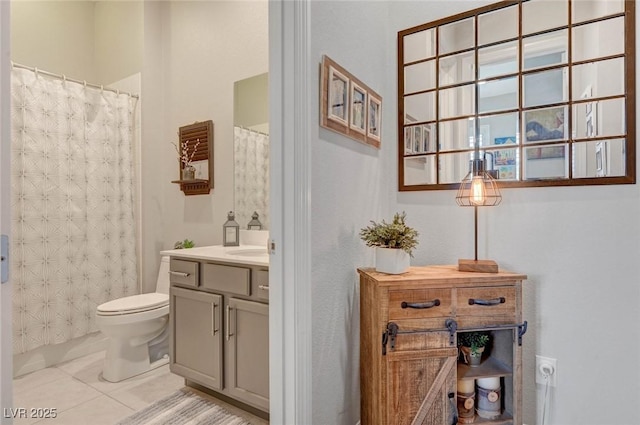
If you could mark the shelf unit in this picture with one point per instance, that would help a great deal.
(197, 138)
(194, 187)
(499, 362)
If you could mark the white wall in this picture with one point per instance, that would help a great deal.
(118, 39)
(579, 246)
(190, 54)
(55, 36)
(100, 41)
(194, 52)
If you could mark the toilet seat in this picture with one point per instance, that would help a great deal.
(133, 304)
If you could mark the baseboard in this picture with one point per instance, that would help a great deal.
(51, 355)
(251, 409)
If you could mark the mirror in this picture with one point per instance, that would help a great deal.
(251, 149)
(540, 88)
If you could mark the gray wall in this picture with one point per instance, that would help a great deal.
(579, 246)
(348, 188)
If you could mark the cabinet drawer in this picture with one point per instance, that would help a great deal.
(488, 302)
(419, 303)
(261, 284)
(235, 280)
(183, 272)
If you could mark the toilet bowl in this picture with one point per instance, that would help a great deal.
(137, 330)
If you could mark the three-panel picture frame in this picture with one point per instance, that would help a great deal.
(348, 106)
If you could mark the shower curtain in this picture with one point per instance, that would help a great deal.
(72, 190)
(251, 176)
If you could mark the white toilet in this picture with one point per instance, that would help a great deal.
(137, 330)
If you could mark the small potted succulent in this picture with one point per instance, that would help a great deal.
(184, 244)
(472, 346)
(394, 243)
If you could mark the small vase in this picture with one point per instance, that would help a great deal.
(391, 260)
(189, 173)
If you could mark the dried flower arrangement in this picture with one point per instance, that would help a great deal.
(183, 152)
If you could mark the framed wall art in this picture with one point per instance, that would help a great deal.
(348, 106)
(358, 104)
(338, 97)
(373, 120)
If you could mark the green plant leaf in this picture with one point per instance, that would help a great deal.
(391, 235)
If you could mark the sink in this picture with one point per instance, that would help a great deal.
(249, 252)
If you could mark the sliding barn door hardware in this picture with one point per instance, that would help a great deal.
(452, 326)
(389, 336)
(522, 329)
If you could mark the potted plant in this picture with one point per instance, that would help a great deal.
(184, 244)
(394, 243)
(472, 345)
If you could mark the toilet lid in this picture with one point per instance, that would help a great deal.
(134, 304)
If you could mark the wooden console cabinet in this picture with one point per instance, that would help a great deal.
(409, 324)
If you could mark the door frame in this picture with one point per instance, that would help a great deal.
(290, 262)
(6, 343)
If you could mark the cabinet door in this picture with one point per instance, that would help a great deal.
(196, 328)
(420, 379)
(247, 335)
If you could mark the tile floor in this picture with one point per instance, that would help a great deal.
(80, 396)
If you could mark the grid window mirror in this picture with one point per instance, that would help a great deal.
(544, 89)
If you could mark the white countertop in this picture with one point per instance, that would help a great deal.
(252, 254)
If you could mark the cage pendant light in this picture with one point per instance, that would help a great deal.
(478, 188)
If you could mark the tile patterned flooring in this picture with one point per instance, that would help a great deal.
(80, 396)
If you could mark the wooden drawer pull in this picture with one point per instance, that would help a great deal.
(428, 304)
(493, 301)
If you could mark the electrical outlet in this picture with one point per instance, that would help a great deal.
(546, 369)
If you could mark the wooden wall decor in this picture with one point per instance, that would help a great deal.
(348, 106)
(530, 91)
(196, 142)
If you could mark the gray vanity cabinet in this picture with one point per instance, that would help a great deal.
(248, 351)
(220, 328)
(196, 327)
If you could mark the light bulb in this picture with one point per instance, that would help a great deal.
(478, 193)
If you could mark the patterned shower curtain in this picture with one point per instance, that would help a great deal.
(251, 176)
(73, 230)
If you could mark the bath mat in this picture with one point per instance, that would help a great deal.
(184, 408)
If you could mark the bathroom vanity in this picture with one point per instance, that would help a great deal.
(219, 319)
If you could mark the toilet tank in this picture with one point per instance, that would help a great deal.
(162, 284)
